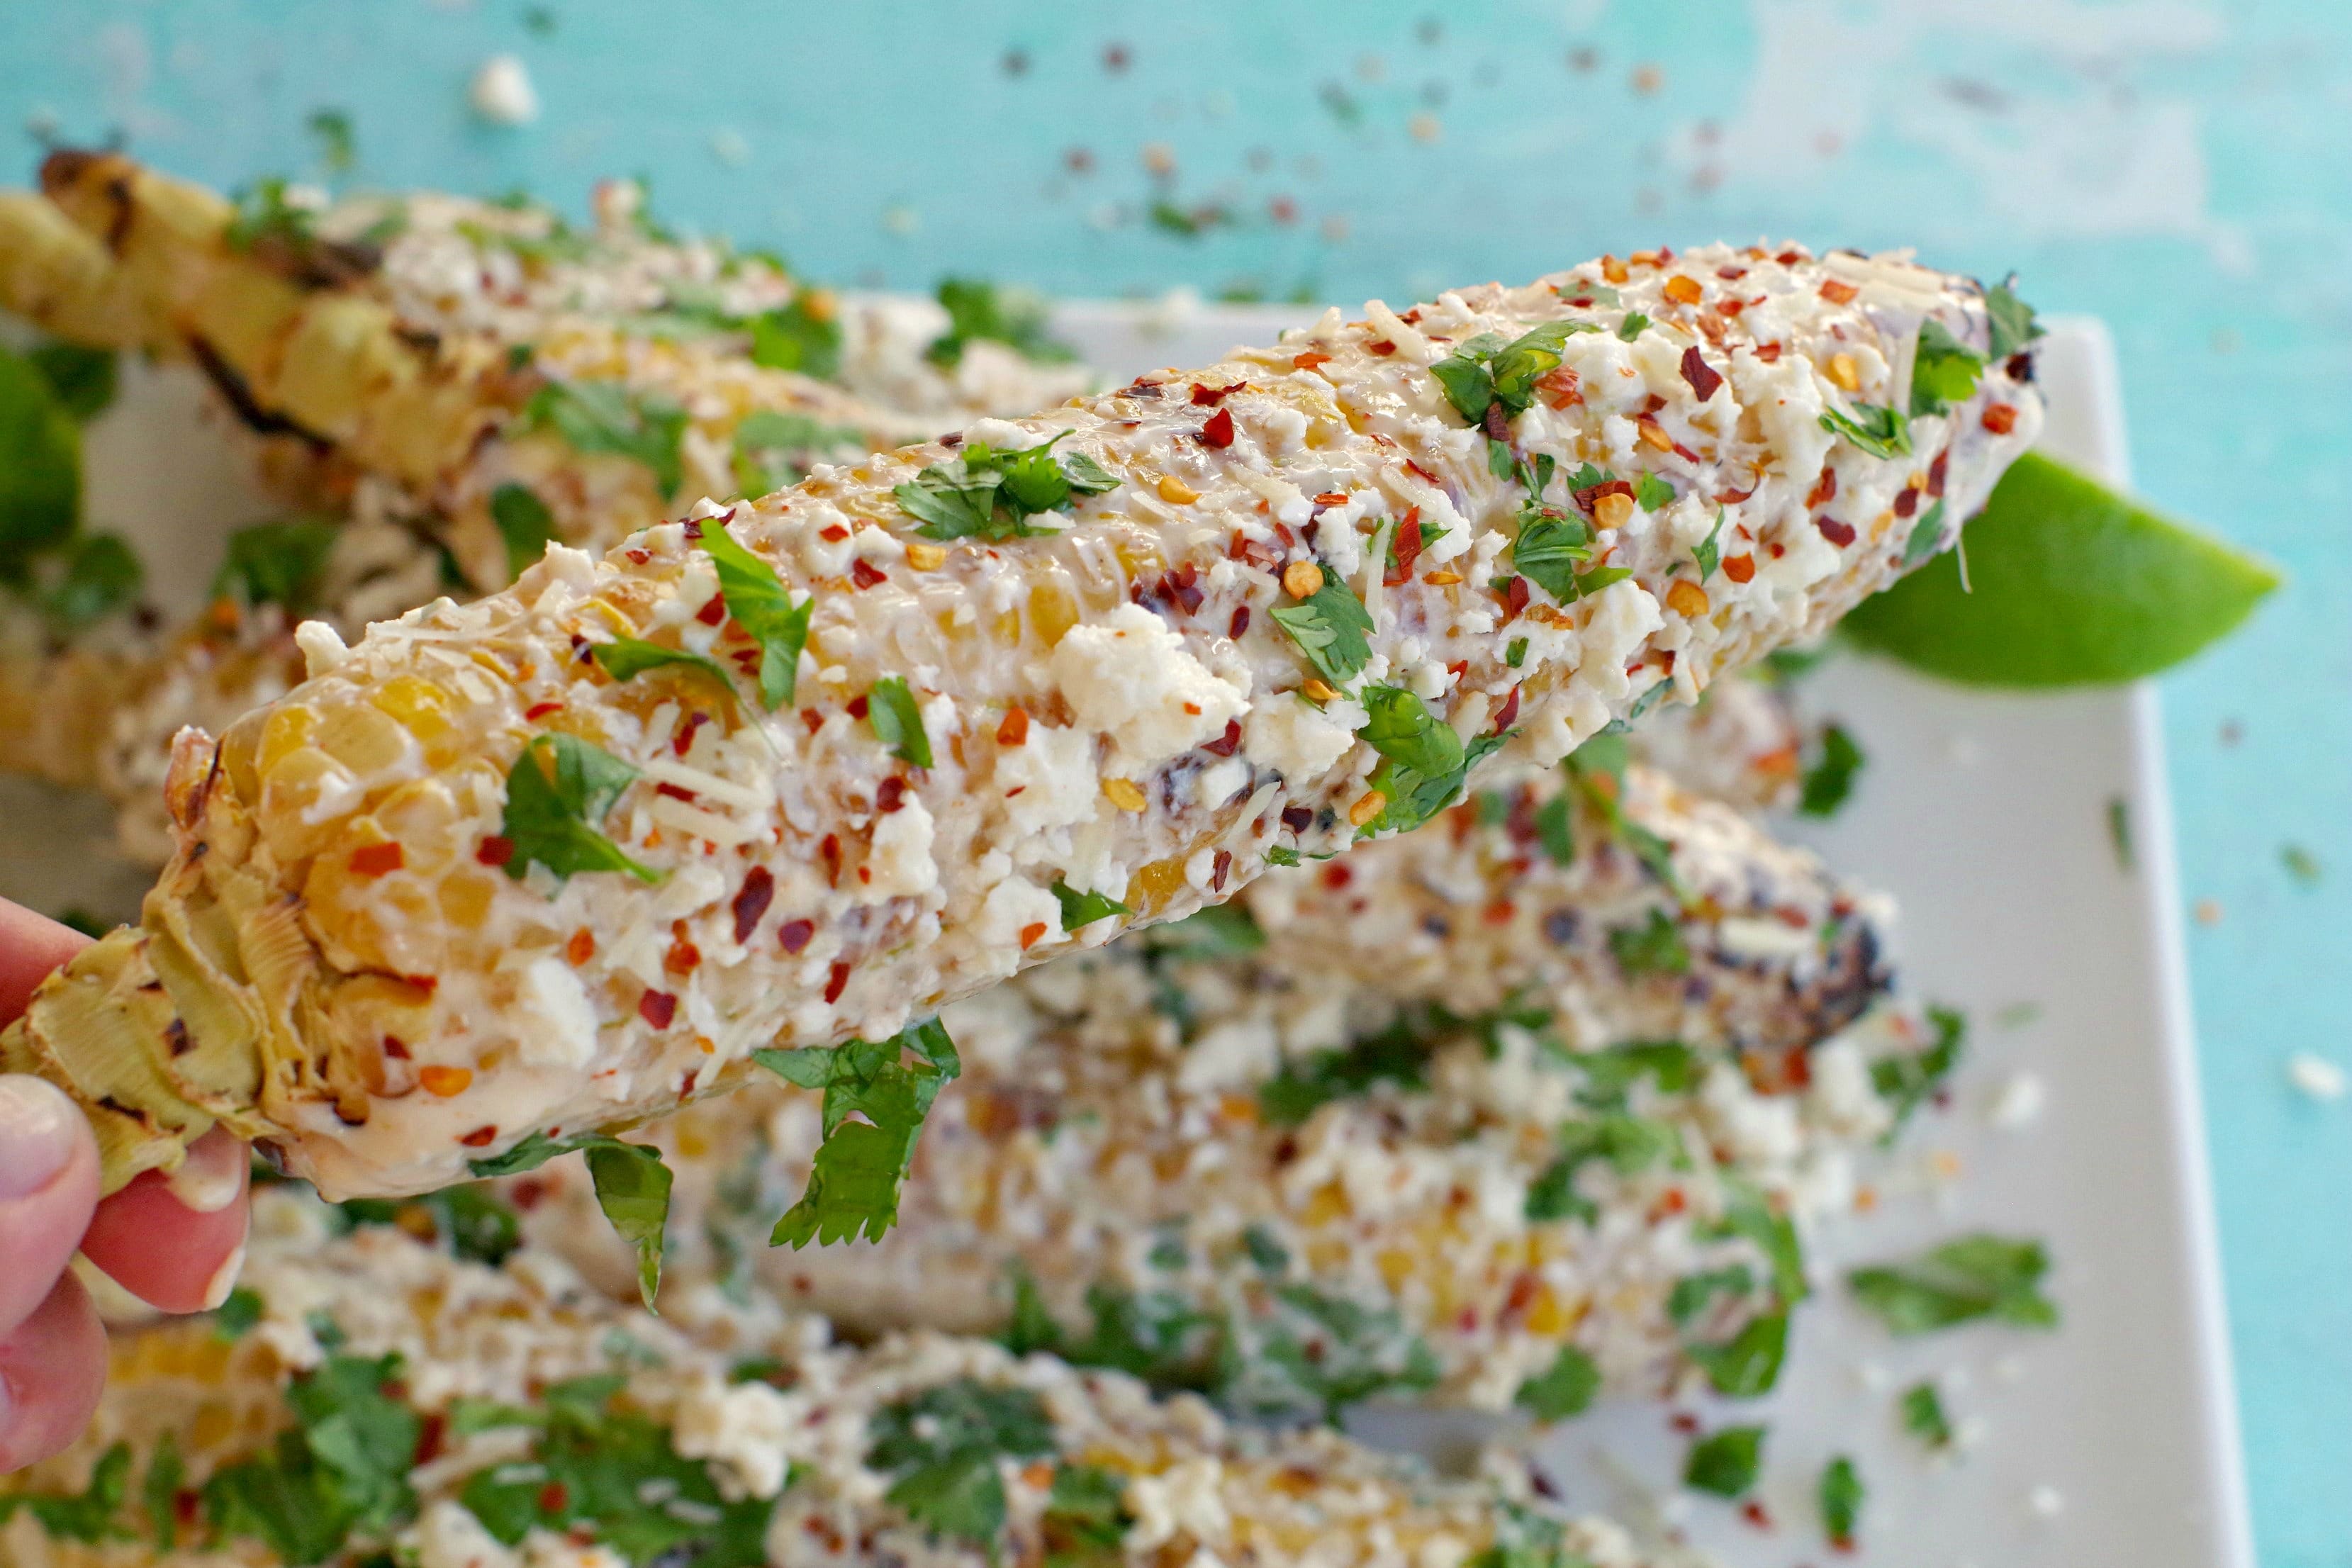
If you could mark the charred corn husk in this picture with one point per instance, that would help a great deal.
(65, 280)
(969, 705)
(371, 1394)
(1484, 1107)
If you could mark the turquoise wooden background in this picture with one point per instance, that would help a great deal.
(2181, 167)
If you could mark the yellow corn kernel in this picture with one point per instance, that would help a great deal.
(417, 704)
(1176, 492)
(925, 557)
(1546, 1317)
(1685, 597)
(1615, 510)
(1329, 1202)
(362, 737)
(464, 898)
(291, 792)
(1052, 612)
(1395, 1264)
(1844, 373)
(1149, 890)
(1123, 795)
(286, 727)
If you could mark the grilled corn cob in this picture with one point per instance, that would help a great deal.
(934, 739)
(64, 282)
(1496, 1106)
(371, 1392)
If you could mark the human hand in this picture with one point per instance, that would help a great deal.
(175, 1243)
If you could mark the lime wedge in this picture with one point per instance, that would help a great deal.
(2069, 584)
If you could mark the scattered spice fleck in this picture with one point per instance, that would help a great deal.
(2301, 864)
(2209, 912)
(2314, 1077)
(2119, 833)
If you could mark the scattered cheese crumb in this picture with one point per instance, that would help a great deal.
(2017, 1102)
(2046, 1501)
(502, 92)
(2314, 1078)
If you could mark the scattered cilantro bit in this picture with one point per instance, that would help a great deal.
(88, 1515)
(1515, 655)
(341, 1468)
(1726, 1463)
(1907, 1079)
(91, 576)
(2013, 325)
(1923, 1417)
(612, 1477)
(1706, 553)
(1085, 1519)
(1651, 492)
(631, 1185)
(605, 417)
(1830, 779)
(558, 789)
(1423, 759)
(1629, 1143)
(896, 720)
(1008, 316)
(82, 380)
(159, 1491)
(1926, 535)
(1748, 1365)
(2301, 864)
(804, 335)
(263, 215)
(234, 1318)
(1556, 830)
(1565, 1388)
(1841, 1494)
(84, 921)
(1487, 371)
(942, 1446)
(1083, 908)
(1784, 666)
(1945, 371)
(1978, 1275)
(40, 465)
(1312, 1354)
(1748, 1213)
(2119, 832)
(852, 1187)
(1218, 931)
(1694, 1293)
(990, 492)
(337, 143)
(1332, 627)
(759, 602)
(1881, 432)
(1263, 1250)
(774, 449)
(278, 562)
(524, 523)
(1597, 766)
(1631, 326)
(626, 658)
(470, 1218)
(1398, 1055)
(1611, 1071)
(1551, 546)
(1656, 947)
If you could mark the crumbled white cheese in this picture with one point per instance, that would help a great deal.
(744, 1430)
(502, 92)
(1295, 738)
(2017, 1102)
(1131, 678)
(447, 1535)
(565, 1035)
(1049, 780)
(901, 860)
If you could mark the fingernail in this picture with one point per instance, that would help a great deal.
(207, 1180)
(224, 1280)
(36, 1133)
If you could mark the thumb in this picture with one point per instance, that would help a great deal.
(49, 1187)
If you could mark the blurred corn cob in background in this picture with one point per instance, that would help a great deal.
(369, 1393)
(1538, 1101)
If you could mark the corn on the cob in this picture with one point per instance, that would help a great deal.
(64, 282)
(1364, 1093)
(526, 1420)
(942, 740)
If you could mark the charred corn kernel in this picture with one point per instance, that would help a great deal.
(1175, 491)
(1136, 658)
(339, 1310)
(1684, 597)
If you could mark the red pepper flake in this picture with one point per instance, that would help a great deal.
(495, 850)
(833, 532)
(1459, 668)
(1308, 360)
(1786, 259)
(1560, 388)
(794, 935)
(711, 613)
(1142, 388)
(430, 1433)
(1936, 473)
(1240, 623)
(1824, 489)
(838, 982)
(1226, 744)
(1732, 498)
(1014, 730)
(1514, 597)
(1683, 289)
(1030, 934)
(758, 892)
(1587, 497)
(673, 792)
(658, 1008)
(1907, 502)
(1500, 911)
(1219, 869)
(538, 711)
(891, 797)
(1209, 396)
(1683, 1422)
(2000, 418)
(1731, 274)
(1753, 1512)
(830, 852)
(1508, 712)
(1338, 876)
(1407, 548)
(1838, 533)
(1769, 353)
(864, 574)
(683, 742)
(1739, 568)
(1497, 424)
(553, 1499)
(1382, 348)
(395, 1047)
(1837, 293)
(1298, 818)
(812, 719)
(377, 859)
(1180, 588)
(1219, 430)
(1704, 378)
(481, 1137)
(638, 557)
(859, 706)
(683, 958)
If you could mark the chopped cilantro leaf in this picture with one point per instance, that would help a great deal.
(1313, 1354)
(264, 214)
(1008, 316)
(40, 465)
(1423, 764)
(1748, 1365)
(1881, 432)
(942, 1446)
(1908, 1077)
(278, 562)
(88, 1515)
(896, 720)
(606, 417)
(233, 1317)
(1562, 1390)
(1651, 492)
(558, 789)
(1705, 555)
(1515, 655)
(1085, 1518)
(1945, 371)
(1398, 1055)
(774, 449)
(1695, 1293)
(1080, 910)
(337, 143)
(1550, 547)
(2013, 325)
(470, 1218)
(1332, 627)
(1841, 1493)
(1556, 830)
(631, 1185)
(1747, 1214)
(1830, 779)
(852, 1189)
(159, 1491)
(1926, 535)
(804, 335)
(1218, 931)
(989, 492)
(82, 380)
(1487, 371)
(626, 658)
(1631, 326)
(92, 577)
(342, 1466)
(1656, 947)
(1629, 1143)
(1979, 1276)
(1923, 1417)
(1726, 1463)
(525, 524)
(1611, 1071)
(1263, 1250)
(760, 603)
